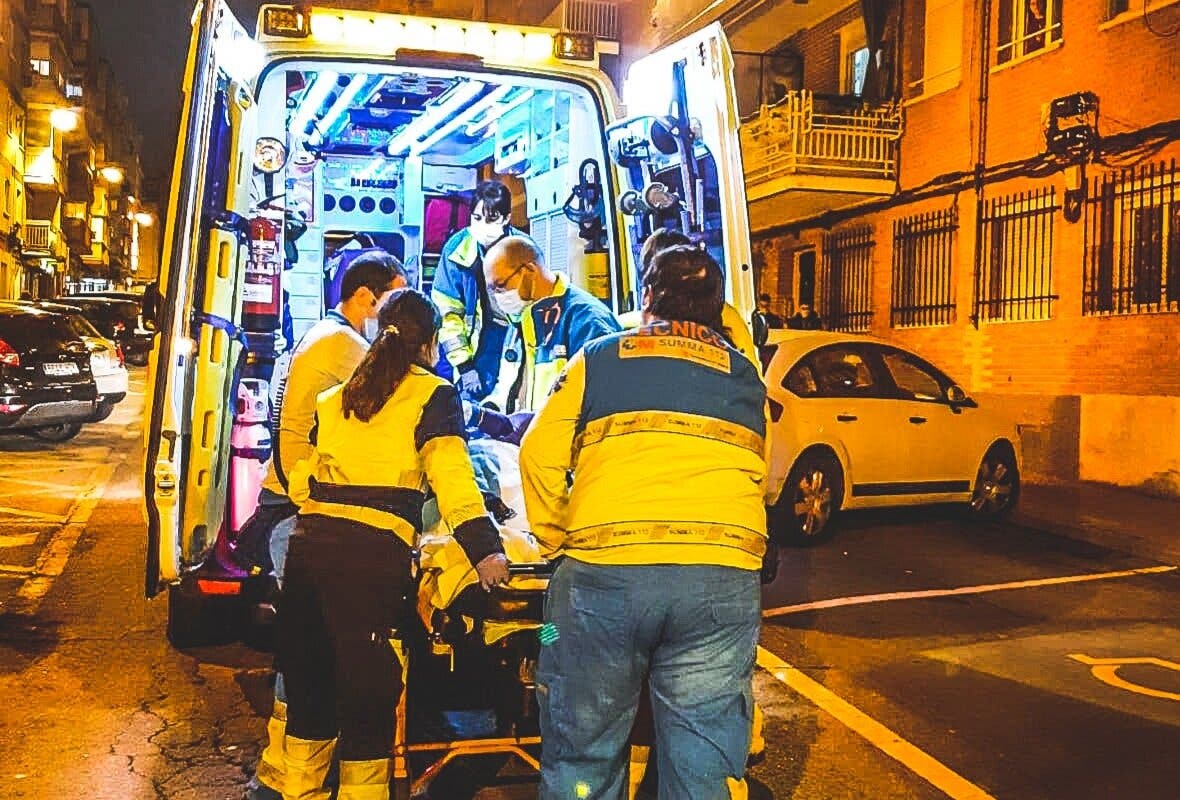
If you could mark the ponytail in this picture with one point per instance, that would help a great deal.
(408, 322)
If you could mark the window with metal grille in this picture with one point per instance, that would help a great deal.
(1133, 241)
(923, 253)
(848, 279)
(1015, 279)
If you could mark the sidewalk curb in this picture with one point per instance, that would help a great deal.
(1101, 533)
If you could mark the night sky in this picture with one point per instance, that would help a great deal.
(146, 42)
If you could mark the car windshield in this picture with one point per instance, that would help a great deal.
(108, 311)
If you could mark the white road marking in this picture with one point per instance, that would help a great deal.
(14, 570)
(52, 561)
(30, 514)
(866, 599)
(18, 540)
(921, 763)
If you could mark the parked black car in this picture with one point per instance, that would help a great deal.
(118, 320)
(46, 386)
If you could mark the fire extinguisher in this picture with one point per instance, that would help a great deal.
(262, 293)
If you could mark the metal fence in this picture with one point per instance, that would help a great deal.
(1132, 250)
(1015, 279)
(599, 17)
(848, 279)
(923, 292)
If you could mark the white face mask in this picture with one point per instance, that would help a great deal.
(370, 330)
(487, 234)
(510, 302)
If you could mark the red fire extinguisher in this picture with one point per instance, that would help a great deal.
(262, 293)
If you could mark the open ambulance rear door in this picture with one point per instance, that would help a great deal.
(677, 155)
(188, 417)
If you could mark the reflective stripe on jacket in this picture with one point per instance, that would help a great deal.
(664, 430)
(377, 473)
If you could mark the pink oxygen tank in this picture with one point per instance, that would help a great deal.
(250, 446)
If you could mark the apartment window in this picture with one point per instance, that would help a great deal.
(1026, 26)
(1116, 7)
(1132, 254)
(40, 66)
(848, 280)
(923, 255)
(73, 90)
(1015, 281)
(936, 47)
(854, 58)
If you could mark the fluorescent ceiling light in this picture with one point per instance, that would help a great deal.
(499, 111)
(313, 100)
(324, 125)
(455, 101)
(463, 118)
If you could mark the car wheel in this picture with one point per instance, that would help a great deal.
(57, 433)
(195, 620)
(997, 485)
(103, 411)
(810, 501)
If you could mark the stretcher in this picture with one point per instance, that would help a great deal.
(460, 620)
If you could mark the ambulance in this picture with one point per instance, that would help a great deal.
(333, 129)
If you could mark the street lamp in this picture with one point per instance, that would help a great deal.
(64, 119)
(112, 174)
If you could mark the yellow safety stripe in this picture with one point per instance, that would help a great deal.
(623, 534)
(711, 428)
(382, 520)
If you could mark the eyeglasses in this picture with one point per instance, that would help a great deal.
(502, 284)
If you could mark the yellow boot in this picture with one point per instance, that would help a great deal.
(757, 740)
(306, 763)
(271, 768)
(738, 790)
(365, 780)
(638, 768)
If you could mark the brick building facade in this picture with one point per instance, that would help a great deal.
(1052, 289)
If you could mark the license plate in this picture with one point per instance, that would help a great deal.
(63, 368)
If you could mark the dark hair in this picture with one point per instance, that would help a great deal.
(660, 239)
(495, 198)
(374, 270)
(408, 321)
(685, 285)
(764, 296)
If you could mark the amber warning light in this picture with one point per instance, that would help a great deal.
(290, 22)
(574, 46)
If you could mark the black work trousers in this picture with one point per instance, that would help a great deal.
(346, 588)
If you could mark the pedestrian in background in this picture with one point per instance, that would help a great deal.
(805, 319)
(773, 320)
(660, 536)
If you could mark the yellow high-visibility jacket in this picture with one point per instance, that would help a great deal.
(664, 431)
(377, 473)
(731, 318)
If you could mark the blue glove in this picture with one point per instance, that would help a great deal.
(470, 386)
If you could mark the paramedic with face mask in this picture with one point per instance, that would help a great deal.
(472, 330)
(552, 320)
(326, 356)
(348, 583)
(660, 535)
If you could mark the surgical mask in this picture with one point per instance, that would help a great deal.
(370, 330)
(487, 234)
(510, 302)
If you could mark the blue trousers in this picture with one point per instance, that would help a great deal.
(694, 630)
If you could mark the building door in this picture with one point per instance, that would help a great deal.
(805, 265)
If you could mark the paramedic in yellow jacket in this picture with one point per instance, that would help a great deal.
(552, 319)
(661, 533)
(382, 439)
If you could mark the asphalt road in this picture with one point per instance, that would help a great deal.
(913, 656)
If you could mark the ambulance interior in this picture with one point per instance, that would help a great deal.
(331, 156)
(389, 157)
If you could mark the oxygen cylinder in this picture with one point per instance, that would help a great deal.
(250, 448)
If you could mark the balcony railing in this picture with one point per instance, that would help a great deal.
(39, 236)
(599, 17)
(805, 134)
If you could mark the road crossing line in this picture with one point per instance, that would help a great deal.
(918, 761)
(18, 540)
(866, 599)
(30, 514)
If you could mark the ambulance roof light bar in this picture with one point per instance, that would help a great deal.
(291, 21)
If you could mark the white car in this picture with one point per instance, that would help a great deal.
(860, 423)
(107, 365)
